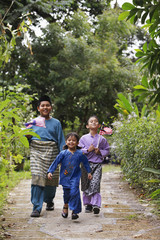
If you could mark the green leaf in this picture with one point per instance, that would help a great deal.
(143, 96)
(143, 111)
(127, 6)
(125, 101)
(138, 92)
(123, 16)
(145, 82)
(24, 141)
(154, 26)
(132, 13)
(140, 87)
(145, 47)
(158, 114)
(152, 11)
(139, 54)
(152, 170)
(136, 109)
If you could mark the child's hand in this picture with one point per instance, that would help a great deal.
(50, 176)
(91, 148)
(89, 176)
(97, 151)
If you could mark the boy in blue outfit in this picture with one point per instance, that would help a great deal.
(70, 174)
(42, 153)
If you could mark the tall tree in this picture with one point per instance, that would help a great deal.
(82, 68)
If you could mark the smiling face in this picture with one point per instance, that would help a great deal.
(93, 123)
(72, 143)
(45, 108)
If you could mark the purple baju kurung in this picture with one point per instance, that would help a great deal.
(91, 195)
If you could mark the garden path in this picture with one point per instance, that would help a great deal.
(122, 216)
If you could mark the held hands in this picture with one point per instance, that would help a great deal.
(92, 148)
(50, 176)
(89, 176)
(97, 151)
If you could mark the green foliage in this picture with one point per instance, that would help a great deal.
(137, 144)
(12, 135)
(8, 44)
(148, 13)
(148, 90)
(126, 107)
(50, 10)
(155, 194)
(87, 61)
(13, 143)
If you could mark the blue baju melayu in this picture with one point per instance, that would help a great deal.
(42, 153)
(70, 175)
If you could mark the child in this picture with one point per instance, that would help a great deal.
(42, 153)
(70, 174)
(95, 147)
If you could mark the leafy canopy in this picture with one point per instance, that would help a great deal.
(148, 13)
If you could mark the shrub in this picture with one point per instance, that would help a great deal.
(138, 145)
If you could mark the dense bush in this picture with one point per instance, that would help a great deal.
(137, 143)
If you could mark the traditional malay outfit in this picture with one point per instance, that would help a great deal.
(70, 175)
(43, 151)
(91, 189)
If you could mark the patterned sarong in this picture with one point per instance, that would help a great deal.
(42, 154)
(92, 186)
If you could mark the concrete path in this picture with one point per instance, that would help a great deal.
(122, 216)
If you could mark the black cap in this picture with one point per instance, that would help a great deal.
(44, 98)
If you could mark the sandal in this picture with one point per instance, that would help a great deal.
(65, 215)
(74, 216)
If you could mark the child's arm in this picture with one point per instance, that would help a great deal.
(83, 146)
(54, 165)
(103, 148)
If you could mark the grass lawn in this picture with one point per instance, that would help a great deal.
(9, 182)
(111, 168)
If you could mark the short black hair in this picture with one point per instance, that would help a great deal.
(70, 135)
(93, 116)
(44, 98)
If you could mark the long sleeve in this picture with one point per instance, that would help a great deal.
(82, 145)
(55, 163)
(61, 140)
(104, 147)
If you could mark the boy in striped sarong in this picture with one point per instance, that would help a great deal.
(95, 147)
(42, 153)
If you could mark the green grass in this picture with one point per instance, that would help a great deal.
(9, 183)
(111, 168)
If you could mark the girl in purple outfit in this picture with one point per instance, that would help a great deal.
(95, 147)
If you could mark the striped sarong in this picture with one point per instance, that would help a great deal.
(92, 186)
(42, 154)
